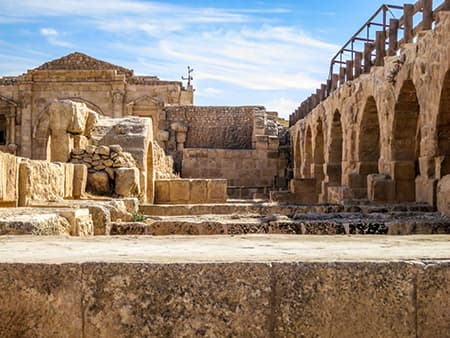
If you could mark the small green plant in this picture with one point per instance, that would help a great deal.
(138, 216)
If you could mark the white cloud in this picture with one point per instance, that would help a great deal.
(283, 106)
(53, 37)
(209, 92)
(48, 32)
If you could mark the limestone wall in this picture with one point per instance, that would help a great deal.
(40, 182)
(250, 168)
(211, 127)
(27, 182)
(278, 299)
(9, 169)
(190, 191)
(393, 121)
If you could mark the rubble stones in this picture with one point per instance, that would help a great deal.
(103, 162)
(102, 150)
(116, 148)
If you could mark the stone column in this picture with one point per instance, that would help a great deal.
(25, 97)
(11, 118)
(118, 97)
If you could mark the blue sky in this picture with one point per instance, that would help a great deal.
(272, 53)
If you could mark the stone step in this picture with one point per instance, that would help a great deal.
(241, 286)
(242, 208)
(313, 224)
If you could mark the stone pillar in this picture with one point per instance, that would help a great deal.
(118, 97)
(12, 125)
(25, 97)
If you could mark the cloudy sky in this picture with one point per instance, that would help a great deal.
(273, 53)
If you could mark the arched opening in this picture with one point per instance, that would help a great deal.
(443, 127)
(150, 193)
(3, 130)
(369, 138)
(334, 167)
(297, 155)
(318, 152)
(308, 158)
(406, 142)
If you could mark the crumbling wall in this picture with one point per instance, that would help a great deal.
(210, 127)
(163, 165)
(9, 165)
(249, 168)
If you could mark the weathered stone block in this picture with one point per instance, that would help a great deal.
(199, 191)
(404, 170)
(380, 188)
(217, 191)
(40, 300)
(443, 195)
(426, 190)
(162, 191)
(120, 301)
(179, 191)
(126, 182)
(374, 298)
(98, 183)
(69, 172)
(433, 301)
(405, 190)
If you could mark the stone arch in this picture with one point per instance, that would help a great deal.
(334, 166)
(405, 142)
(88, 104)
(150, 193)
(308, 158)
(41, 137)
(443, 128)
(318, 151)
(369, 144)
(8, 111)
(297, 155)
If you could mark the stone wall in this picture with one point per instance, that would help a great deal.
(27, 182)
(278, 299)
(249, 168)
(385, 133)
(107, 89)
(195, 191)
(9, 170)
(210, 127)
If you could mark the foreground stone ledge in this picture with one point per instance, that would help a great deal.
(241, 286)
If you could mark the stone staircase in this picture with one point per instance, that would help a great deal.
(239, 217)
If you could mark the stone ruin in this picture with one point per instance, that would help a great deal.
(90, 150)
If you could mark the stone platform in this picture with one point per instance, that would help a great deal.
(219, 286)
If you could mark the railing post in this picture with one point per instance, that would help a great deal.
(380, 48)
(349, 70)
(358, 61)
(427, 21)
(341, 76)
(368, 47)
(408, 11)
(446, 6)
(393, 37)
(328, 88)
(334, 82)
(323, 92)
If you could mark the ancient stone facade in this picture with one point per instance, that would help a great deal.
(108, 89)
(384, 136)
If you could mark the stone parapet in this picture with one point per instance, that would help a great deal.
(190, 191)
(261, 287)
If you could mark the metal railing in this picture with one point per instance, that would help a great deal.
(368, 48)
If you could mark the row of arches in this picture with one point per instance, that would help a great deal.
(374, 144)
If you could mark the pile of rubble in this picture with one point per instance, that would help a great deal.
(111, 171)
